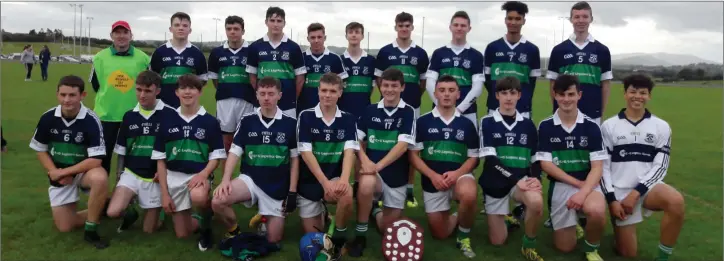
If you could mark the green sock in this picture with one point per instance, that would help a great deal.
(588, 247)
(90, 226)
(162, 216)
(463, 233)
(528, 242)
(361, 229)
(664, 252)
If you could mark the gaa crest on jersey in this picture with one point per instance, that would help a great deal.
(54, 131)
(649, 138)
(593, 58)
(340, 134)
(460, 135)
(285, 55)
(281, 137)
(79, 137)
(413, 60)
(584, 141)
(523, 139)
(466, 64)
(200, 133)
(190, 61)
(523, 58)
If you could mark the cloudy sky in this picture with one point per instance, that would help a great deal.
(673, 27)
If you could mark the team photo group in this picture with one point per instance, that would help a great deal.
(307, 134)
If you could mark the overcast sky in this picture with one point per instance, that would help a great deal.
(673, 27)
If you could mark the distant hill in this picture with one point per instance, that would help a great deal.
(658, 59)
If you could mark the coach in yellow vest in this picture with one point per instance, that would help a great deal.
(113, 77)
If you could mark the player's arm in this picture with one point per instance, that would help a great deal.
(93, 79)
(554, 64)
(252, 63)
(39, 143)
(606, 76)
(661, 161)
(156, 62)
(535, 71)
(293, 163)
(159, 155)
(433, 72)
(217, 151)
(201, 67)
(478, 78)
(213, 73)
(235, 151)
(422, 66)
(607, 181)
(351, 145)
(121, 145)
(339, 69)
(487, 64)
(535, 168)
(414, 154)
(297, 61)
(381, 64)
(304, 146)
(545, 156)
(361, 138)
(96, 149)
(597, 154)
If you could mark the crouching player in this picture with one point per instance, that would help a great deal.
(508, 144)
(267, 140)
(134, 147)
(638, 143)
(327, 144)
(187, 149)
(571, 151)
(446, 153)
(69, 144)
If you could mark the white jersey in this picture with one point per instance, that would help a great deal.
(638, 152)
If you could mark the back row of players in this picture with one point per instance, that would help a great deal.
(182, 148)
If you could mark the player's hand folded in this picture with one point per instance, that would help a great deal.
(617, 210)
(341, 187)
(56, 174)
(450, 178)
(629, 202)
(168, 204)
(330, 188)
(439, 182)
(576, 201)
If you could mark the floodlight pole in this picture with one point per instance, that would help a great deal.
(563, 25)
(216, 34)
(89, 33)
(74, 22)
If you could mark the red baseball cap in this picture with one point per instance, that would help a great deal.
(120, 23)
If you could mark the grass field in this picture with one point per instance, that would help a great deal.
(695, 115)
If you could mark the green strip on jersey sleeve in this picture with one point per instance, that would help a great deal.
(171, 74)
(586, 73)
(67, 153)
(233, 74)
(572, 160)
(463, 77)
(501, 70)
(188, 150)
(445, 151)
(410, 73)
(514, 157)
(312, 80)
(328, 152)
(358, 83)
(383, 140)
(141, 146)
(266, 155)
(276, 69)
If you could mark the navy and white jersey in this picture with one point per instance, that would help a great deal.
(358, 86)
(520, 60)
(466, 65)
(316, 67)
(283, 62)
(171, 64)
(591, 63)
(69, 141)
(413, 63)
(571, 149)
(639, 151)
(327, 141)
(188, 144)
(515, 145)
(382, 128)
(444, 145)
(228, 67)
(266, 149)
(137, 136)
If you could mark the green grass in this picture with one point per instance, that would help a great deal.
(695, 115)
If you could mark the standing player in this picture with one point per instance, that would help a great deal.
(327, 144)
(385, 130)
(277, 56)
(461, 61)
(318, 60)
(187, 149)
(267, 140)
(177, 57)
(509, 144)
(360, 68)
(581, 55)
(134, 147)
(234, 94)
(639, 143)
(404, 55)
(571, 151)
(69, 144)
(446, 153)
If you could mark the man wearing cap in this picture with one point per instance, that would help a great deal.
(113, 77)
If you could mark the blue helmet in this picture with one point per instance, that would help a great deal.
(314, 246)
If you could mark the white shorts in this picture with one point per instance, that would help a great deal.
(391, 197)
(308, 208)
(178, 189)
(66, 194)
(268, 206)
(440, 201)
(473, 117)
(561, 216)
(525, 114)
(290, 112)
(500, 206)
(229, 112)
(148, 192)
(639, 212)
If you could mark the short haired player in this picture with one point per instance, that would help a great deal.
(318, 60)
(509, 142)
(639, 144)
(69, 144)
(446, 153)
(571, 151)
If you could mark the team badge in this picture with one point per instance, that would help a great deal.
(460, 135)
(649, 138)
(593, 58)
(466, 64)
(243, 60)
(399, 122)
(365, 70)
(285, 55)
(281, 137)
(523, 58)
(340, 134)
(327, 69)
(190, 61)
(584, 141)
(200, 133)
(413, 60)
(523, 139)
(79, 137)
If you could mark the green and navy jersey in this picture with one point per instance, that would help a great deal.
(171, 64)
(572, 150)
(137, 136)
(327, 141)
(444, 145)
(382, 128)
(316, 67)
(515, 145)
(466, 65)
(228, 67)
(188, 144)
(266, 149)
(69, 141)
(413, 63)
(591, 62)
(283, 62)
(520, 60)
(359, 83)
